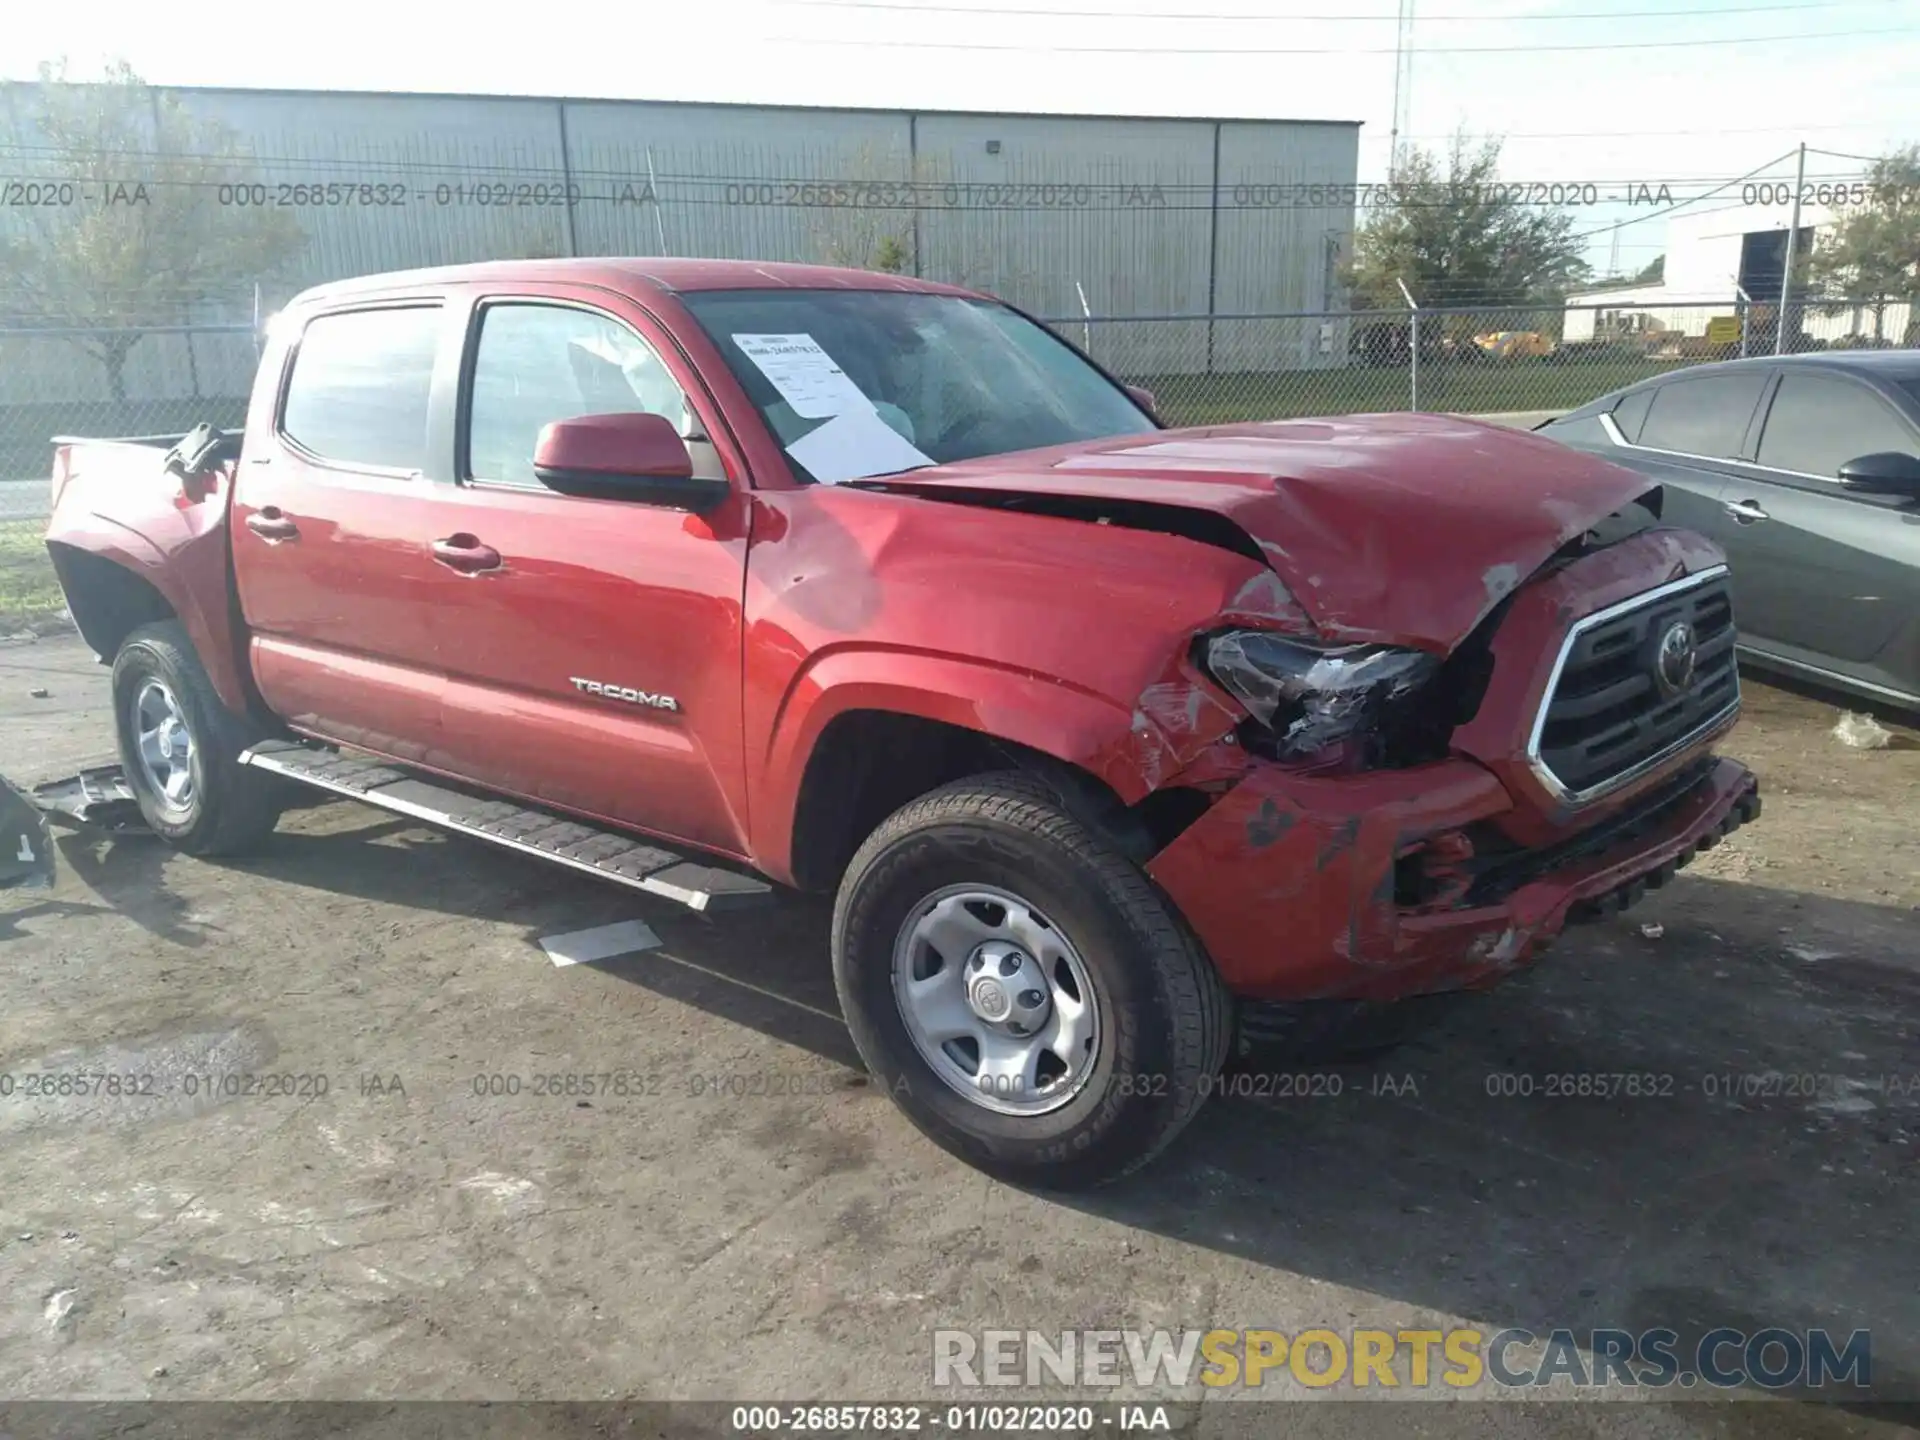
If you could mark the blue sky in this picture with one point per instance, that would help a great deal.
(1743, 85)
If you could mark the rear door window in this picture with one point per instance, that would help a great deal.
(1631, 413)
(1705, 416)
(1817, 423)
(358, 393)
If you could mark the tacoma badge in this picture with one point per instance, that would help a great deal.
(626, 693)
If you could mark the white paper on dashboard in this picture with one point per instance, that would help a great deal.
(853, 446)
(804, 374)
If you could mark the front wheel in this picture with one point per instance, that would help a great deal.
(180, 748)
(1021, 989)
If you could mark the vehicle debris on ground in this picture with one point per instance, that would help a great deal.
(1862, 732)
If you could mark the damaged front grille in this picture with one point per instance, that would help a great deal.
(1499, 866)
(1637, 683)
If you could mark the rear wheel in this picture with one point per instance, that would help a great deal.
(180, 746)
(1022, 990)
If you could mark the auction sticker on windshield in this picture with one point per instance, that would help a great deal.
(854, 446)
(856, 441)
(804, 374)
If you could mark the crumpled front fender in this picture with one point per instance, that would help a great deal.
(1289, 879)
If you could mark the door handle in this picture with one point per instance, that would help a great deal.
(465, 554)
(271, 526)
(1745, 511)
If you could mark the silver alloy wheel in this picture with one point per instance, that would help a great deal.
(996, 1000)
(164, 746)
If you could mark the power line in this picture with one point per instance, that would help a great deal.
(1651, 134)
(1161, 51)
(1373, 18)
(1660, 244)
(1695, 200)
(1846, 155)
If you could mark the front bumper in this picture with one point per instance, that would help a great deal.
(1393, 884)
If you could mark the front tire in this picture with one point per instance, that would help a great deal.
(1022, 990)
(180, 747)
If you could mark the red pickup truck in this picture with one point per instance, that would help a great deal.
(1117, 743)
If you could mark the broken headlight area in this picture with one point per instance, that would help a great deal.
(1345, 707)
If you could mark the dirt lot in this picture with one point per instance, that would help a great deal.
(403, 1236)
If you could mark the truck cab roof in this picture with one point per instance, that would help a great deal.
(633, 274)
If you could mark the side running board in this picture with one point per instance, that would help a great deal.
(609, 854)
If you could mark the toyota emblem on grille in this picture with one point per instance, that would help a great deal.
(1673, 662)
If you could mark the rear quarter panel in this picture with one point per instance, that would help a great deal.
(120, 505)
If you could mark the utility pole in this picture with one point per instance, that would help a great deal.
(1793, 236)
(1402, 84)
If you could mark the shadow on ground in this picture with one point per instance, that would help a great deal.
(1749, 1159)
(1899, 719)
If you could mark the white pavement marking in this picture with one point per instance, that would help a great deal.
(603, 942)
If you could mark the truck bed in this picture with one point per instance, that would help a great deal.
(138, 533)
(165, 442)
(110, 462)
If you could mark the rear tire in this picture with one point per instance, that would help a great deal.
(180, 746)
(1016, 887)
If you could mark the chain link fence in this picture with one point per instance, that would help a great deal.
(30, 598)
(1514, 361)
(149, 380)
(1520, 362)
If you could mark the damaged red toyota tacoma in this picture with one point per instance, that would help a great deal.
(1118, 745)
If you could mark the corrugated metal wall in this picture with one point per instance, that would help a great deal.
(431, 165)
(731, 183)
(1128, 216)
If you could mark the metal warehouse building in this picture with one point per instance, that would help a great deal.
(1065, 215)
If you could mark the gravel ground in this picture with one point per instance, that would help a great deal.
(402, 1236)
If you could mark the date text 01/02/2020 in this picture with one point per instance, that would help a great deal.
(854, 1417)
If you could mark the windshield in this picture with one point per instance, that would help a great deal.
(864, 382)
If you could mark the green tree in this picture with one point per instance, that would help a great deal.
(1454, 234)
(1653, 272)
(1872, 257)
(139, 235)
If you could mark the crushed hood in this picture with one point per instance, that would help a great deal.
(1399, 529)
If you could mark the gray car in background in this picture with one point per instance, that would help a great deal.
(1806, 470)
